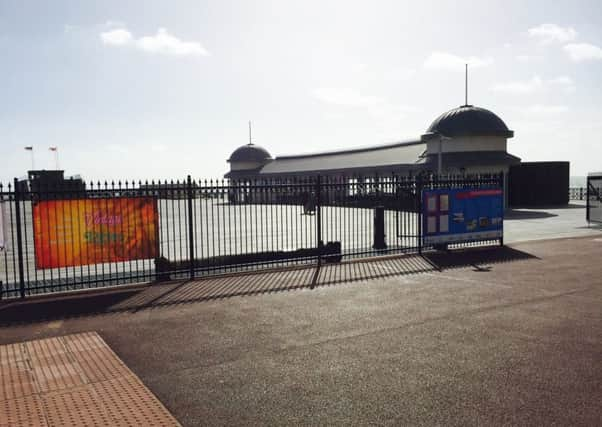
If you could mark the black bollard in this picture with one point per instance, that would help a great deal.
(379, 228)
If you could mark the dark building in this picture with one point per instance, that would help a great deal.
(52, 184)
(539, 184)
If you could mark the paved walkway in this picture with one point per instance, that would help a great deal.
(506, 336)
(548, 223)
(75, 380)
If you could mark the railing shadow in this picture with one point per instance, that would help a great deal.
(515, 214)
(479, 259)
(172, 294)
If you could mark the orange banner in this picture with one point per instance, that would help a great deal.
(92, 231)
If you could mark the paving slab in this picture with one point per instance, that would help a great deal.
(73, 380)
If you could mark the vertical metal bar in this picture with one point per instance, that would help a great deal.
(502, 184)
(19, 238)
(419, 213)
(190, 227)
(587, 206)
(318, 220)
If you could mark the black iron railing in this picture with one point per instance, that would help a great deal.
(577, 193)
(65, 237)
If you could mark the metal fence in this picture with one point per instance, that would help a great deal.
(577, 193)
(62, 237)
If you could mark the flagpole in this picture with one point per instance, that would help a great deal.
(55, 150)
(30, 149)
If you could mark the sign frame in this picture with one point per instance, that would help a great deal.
(88, 231)
(462, 215)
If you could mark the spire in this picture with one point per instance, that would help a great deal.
(250, 139)
(466, 84)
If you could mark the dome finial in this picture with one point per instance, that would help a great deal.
(250, 139)
(466, 84)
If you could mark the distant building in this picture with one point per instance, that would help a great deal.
(52, 183)
(464, 140)
(469, 139)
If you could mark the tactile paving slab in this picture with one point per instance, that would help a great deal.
(73, 380)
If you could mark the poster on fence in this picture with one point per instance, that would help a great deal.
(462, 215)
(92, 231)
(3, 234)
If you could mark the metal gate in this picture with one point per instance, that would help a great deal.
(594, 197)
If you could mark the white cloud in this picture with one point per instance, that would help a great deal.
(527, 58)
(547, 33)
(121, 149)
(519, 87)
(448, 61)
(345, 96)
(562, 81)
(383, 111)
(113, 24)
(117, 37)
(534, 85)
(161, 43)
(566, 84)
(583, 51)
(158, 148)
(541, 109)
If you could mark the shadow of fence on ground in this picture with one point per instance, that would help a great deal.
(156, 296)
(476, 258)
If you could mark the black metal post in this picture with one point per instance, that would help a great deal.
(19, 238)
(317, 192)
(378, 241)
(587, 207)
(419, 213)
(319, 219)
(190, 226)
(502, 179)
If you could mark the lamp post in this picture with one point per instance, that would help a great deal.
(430, 138)
(439, 153)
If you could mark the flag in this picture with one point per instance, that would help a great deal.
(29, 148)
(53, 148)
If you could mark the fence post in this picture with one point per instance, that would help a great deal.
(319, 219)
(502, 180)
(16, 193)
(587, 194)
(419, 213)
(190, 226)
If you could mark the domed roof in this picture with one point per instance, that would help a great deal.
(468, 120)
(249, 153)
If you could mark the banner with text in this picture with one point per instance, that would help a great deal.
(92, 231)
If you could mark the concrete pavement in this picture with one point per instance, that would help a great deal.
(505, 336)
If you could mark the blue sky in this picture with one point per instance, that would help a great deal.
(149, 89)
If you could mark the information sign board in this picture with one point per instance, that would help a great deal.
(462, 215)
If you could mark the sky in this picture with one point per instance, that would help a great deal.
(162, 89)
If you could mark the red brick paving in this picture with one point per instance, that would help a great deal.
(73, 380)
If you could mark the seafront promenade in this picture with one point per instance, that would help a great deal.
(506, 335)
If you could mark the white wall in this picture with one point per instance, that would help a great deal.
(467, 143)
(237, 166)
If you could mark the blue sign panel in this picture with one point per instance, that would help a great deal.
(462, 215)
